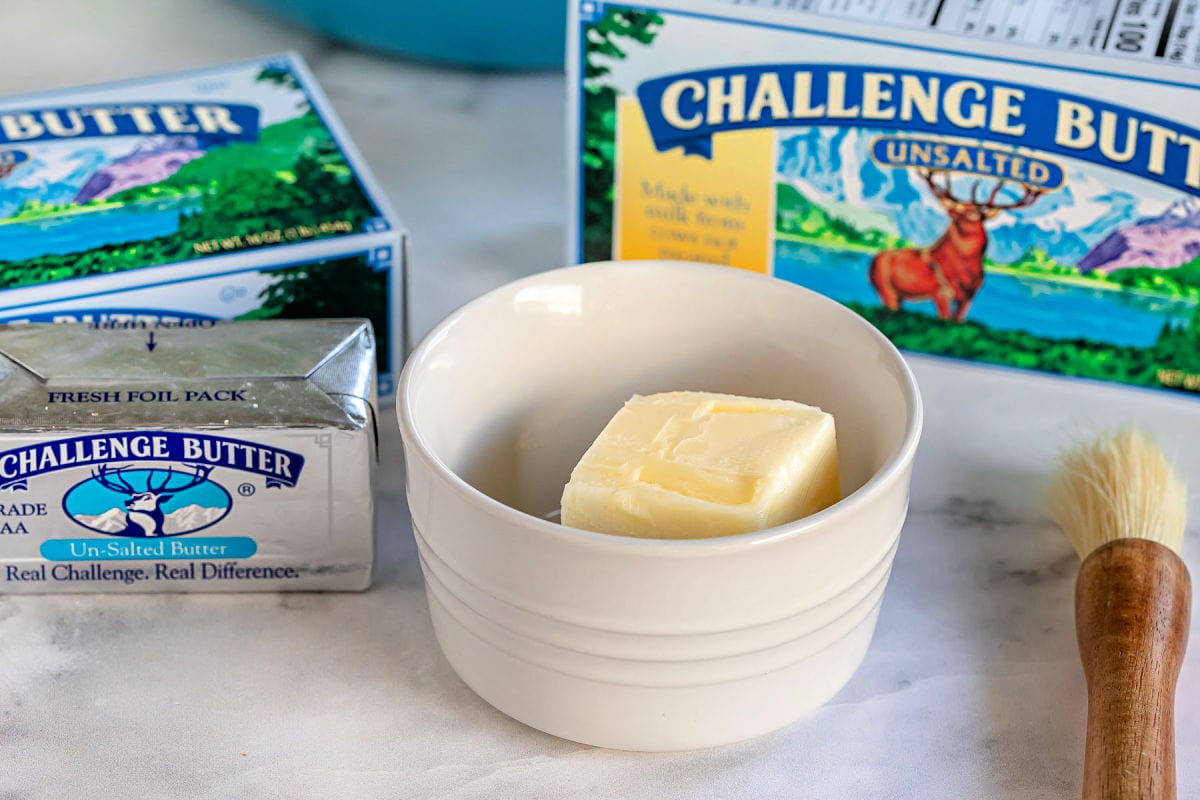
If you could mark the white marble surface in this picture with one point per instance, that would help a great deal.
(972, 688)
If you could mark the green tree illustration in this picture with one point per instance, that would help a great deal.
(600, 119)
(342, 287)
(284, 77)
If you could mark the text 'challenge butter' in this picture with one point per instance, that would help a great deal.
(191, 457)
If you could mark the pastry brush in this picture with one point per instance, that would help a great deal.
(1124, 509)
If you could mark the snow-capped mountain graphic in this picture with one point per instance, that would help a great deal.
(154, 160)
(181, 520)
(1144, 246)
(48, 182)
(1183, 213)
(834, 167)
(95, 173)
(1163, 241)
(110, 521)
(189, 518)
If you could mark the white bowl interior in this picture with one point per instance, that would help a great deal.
(514, 388)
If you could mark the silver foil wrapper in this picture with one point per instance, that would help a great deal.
(197, 456)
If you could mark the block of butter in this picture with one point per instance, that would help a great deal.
(187, 456)
(690, 465)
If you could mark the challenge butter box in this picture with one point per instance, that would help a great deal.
(226, 193)
(196, 456)
(1012, 182)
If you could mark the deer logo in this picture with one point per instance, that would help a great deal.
(950, 271)
(143, 509)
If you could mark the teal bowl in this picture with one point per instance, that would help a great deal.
(466, 33)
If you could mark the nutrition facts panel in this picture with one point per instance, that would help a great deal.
(1160, 30)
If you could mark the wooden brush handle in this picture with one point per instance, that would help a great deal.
(1132, 601)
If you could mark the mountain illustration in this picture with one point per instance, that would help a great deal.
(1009, 242)
(1110, 210)
(181, 520)
(1184, 213)
(834, 166)
(148, 164)
(1143, 246)
(1165, 241)
(189, 518)
(48, 183)
(110, 521)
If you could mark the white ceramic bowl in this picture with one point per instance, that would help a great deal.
(633, 643)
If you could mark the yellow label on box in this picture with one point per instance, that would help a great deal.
(685, 207)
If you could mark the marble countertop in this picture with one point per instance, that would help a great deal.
(971, 689)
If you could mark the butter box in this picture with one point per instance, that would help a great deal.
(187, 456)
(1006, 181)
(230, 192)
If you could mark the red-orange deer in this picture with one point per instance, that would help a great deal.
(951, 269)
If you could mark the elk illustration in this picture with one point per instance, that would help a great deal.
(143, 510)
(951, 269)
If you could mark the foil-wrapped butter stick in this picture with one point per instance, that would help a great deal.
(196, 456)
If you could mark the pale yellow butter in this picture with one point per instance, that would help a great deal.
(692, 465)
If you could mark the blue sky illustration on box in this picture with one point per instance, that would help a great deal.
(833, 165)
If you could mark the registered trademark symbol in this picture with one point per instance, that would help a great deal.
(245, 489)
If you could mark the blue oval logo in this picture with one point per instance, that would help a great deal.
(10, 158)
(941, 155)
(147, 501)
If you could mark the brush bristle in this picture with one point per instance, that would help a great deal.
(1119, 487)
